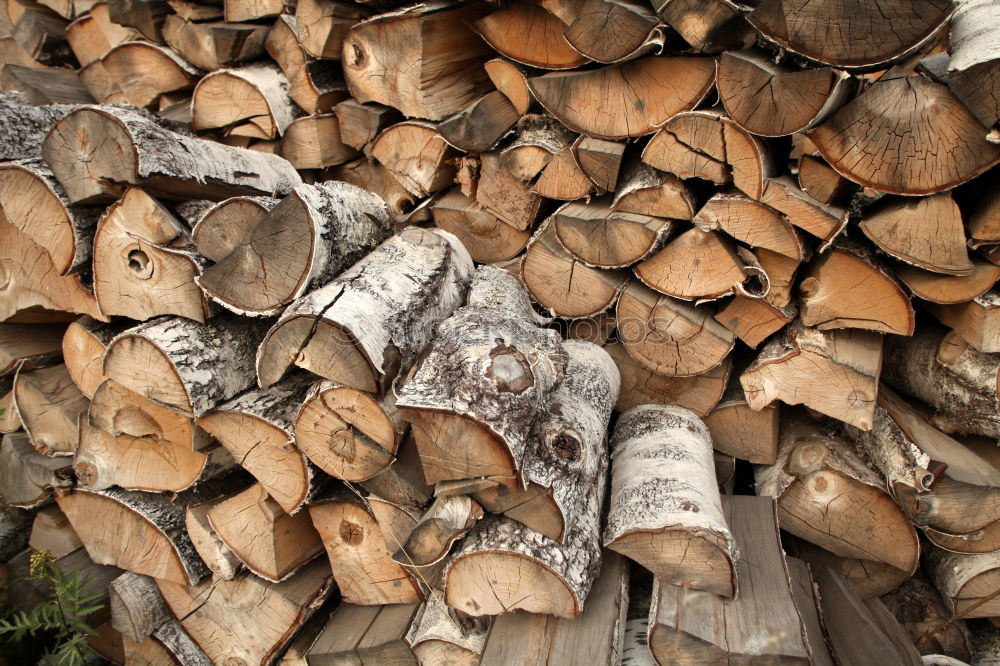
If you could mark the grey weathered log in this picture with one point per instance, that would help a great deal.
(15, 528)
(173, 637)
(137, 608)
(974, 67)
(968, 583)
(28, 478)
(26, 125)
(439, 632)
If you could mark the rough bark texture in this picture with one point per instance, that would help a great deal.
(968, 583)
(137, 609)
(25, 125)
(437, 622)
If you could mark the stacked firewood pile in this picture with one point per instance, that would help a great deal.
(506, 333)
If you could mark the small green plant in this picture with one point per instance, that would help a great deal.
(62, 616)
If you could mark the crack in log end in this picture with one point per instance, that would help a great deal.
(509, 369)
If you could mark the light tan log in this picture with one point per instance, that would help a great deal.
(600, 161)
(214, 45)
(640, 386)
(361, 123)
(359, 534)
(403, 482)
(252, 10)
(310, 217)
(603, 237)
(626, 100)
(49, 406)
(968, 583)
(45, 86)
(52, 532)
(9, 420)
(823, 221)
(751, 222)
(94, 152)
(664, 511)
(257, 428)
(164, 72)
(951, 150)
(834, 372)
(417, 155)
(216, 555)
(761, 623)
(249, 101)
(669, 336)
(613, 30)
(363, 634)
(268, 614)
(313, 84)
(271, 543)
(975, 321)
(446, 520)
(562, 178)
(441, 635)
(753, 320)
(563, 284)
(647, 191)
(93, 34)
(323, 25)
(776, 100)
(425, 61)
(27, 477)
(479, 126)
(829, 496)
(186, 366)
(83, 346)
(822, 183)
(526, 33)
(707, 25)
(220, 229)
(697, 265)
(314, 142)
(865, 35)
(487, 238)
(504, 195)
(740, 431)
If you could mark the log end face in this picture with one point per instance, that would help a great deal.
(92, 156)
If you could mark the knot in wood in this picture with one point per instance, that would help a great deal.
(351, 533)
(509, 369)
(140, 264)
(86, 474)
(566, 445)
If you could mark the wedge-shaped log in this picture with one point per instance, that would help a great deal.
(323, 25)
(976, 321)
(52, 532)
(146, 16)
(25, 347)
(740, 431)
(950, 289)
(866, 140)
(823, 221)
(707, 25)
(369, 324)
(164, 72)
(479, 126)
(473, 410)
(446, 521)
(648, 191)
(425, 60)
(49, 406)
(626, 100)
(314, 142)
(417, 155)
(864, 36)
(186, 366)
(83, 347)
(338, 224)
(698, 265)
(968, 583)
(613, 30)
(249, 101)
(120, 411)
(665, 511)
(360, 123)
(257, 428)
(761, 623)
(268, 614)
(27, 477)
(216, 555)
(794, 101)
(369, 174)
(822, 183)
(360, 534)
(315, 85)
(640, 386)
(487, 238)
(603, 237)
(221, 228)
(92, 35)
(95, 151)
(526, 33)
(214, 45)
(835, 373)
(829, 496)
(440, 635)
(751, 222)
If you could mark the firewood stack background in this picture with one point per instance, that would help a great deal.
(505, 333)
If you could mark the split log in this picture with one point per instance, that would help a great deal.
(360, 534)
(92, 35)
(94, 152)
(214, 45)
(829, 496)
(984, 217)
(697, 265)
(51, 531)
(314, 142)
(570, 446)
(473, 412)
(753, 320)
(669, 336)
(479, 126)
(100, 85)
(664, 500)
(626, 100)
(599, 160)
(163, 72)
(364, 634)
(368, 325)
(647, 191)
(946, 373)
(781, 274)
(142, 268)
(417, 155)
(252, 10)
(752, 223)
(271, 543)
(216, 555)
(403, 482)
(137, 608)
(323, 25)
(268, 615)
(739, 431)
(562, 178)
(823, 221)
(220, 229)
(146, 16)
(257, 428)
(30, 280)
(35, 203)
(973, 67)
(864, 36)
(312, 84)
(537, 140)
(370, 175)
(83, 347)
(25, 347)
(603, 237)
(563, 284)
(835, 373)
(950, 289)
(936, 243)
(708, 144)
(27, 477)
(707, 25)
(864, 140)
(613, 30)
(361, 123)
(250, 101)
(49, 406)
(975, 321)
(425, 61)
(441, 635)
(761, 623)
(918, 607)
(526, 33)
(822, 183)
(504, 195)
(487, 238)
(640, 386)
(260, 276)
(795, 100)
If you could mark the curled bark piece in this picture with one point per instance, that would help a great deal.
(49, 405)
(795, 100)
(337, 222)
(835, 373)
(369, 324)
(603, 237)
(740, 431)
(626, 100)
(968, 583)
(164, 72)
(864, 35)
(445, 522)
(220, 229)
(27, 477)
(864, 141)
(613, 30)
(250, 101)
(561, 283)
(35, 203)
(950, 289)
(424, 60)
(640, 386)
(417, 155)
(95, 151)
(257, 428)
(526, 33)
(185, 366)
(665, 510)
(829, 496)
(751, 222)
(976, 321)
(214, 45)
(974, 66)
(84, 345)
(442, 635)
(491, 392)
(487, 238)
(669, 336)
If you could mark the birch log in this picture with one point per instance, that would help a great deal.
(222, 227)
(249, 101)
(368, 325)
(665, 510)
(95, 151)
(476, 396)
(442, 635)
(974, 67)
(969, 584)
(314, 234)
(49, 406)
(137, 608)
(26, 125)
